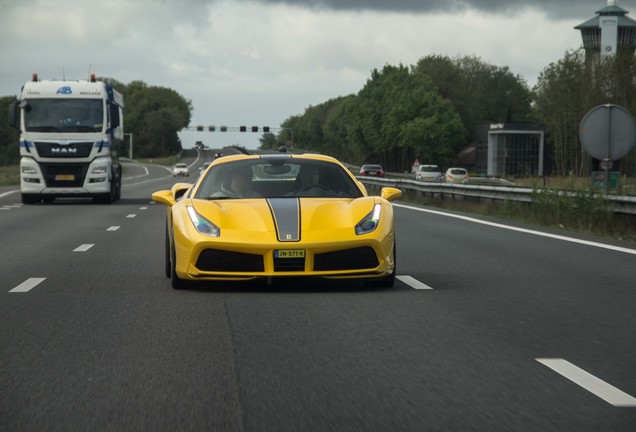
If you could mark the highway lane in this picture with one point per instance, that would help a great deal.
(104, 343)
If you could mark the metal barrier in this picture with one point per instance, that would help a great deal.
(619, 204)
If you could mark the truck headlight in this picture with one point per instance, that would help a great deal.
(27, 169)
(100, 169)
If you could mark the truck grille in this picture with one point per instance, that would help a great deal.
(56, 150)
(64, 175)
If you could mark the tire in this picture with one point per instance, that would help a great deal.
(176, 282)
(386, 281)
(168, 268)
(31, 199)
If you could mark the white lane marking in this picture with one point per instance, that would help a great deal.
(28, 284)
(130, 216)
(523, 230)
(2, 195)
(413, 283)
(113, 228)
(83, 248)
(5, 208)
(589, 382)
(143, 208)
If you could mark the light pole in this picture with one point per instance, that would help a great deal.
(130, 141)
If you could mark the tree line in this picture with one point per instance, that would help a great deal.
(430, 110)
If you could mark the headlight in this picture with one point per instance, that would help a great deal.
(203, 225)
(101, 169)
(370, 222)
(26, 169)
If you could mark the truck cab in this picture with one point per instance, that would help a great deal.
(69, 133)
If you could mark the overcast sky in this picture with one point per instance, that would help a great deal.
(255, 63)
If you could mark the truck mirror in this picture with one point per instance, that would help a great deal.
(13, 117)
(26, 106)
(114, 116)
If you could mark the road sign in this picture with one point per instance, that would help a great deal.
(608, 132)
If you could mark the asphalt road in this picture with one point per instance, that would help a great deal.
(490, 327)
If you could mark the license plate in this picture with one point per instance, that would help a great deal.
(65, 177)
(289, 253)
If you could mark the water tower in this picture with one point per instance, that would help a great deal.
(609, 33)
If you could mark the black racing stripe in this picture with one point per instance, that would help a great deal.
(286, 213)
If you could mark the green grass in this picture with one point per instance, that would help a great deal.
(582, 211)
(9, 175)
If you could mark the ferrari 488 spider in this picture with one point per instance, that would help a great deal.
(278, 216)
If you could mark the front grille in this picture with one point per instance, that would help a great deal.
(54, 173)
(347, 259)
(289, 264)
(56, 150)
(228, 261)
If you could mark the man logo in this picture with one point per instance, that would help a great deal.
(64, 90)
(62, 150)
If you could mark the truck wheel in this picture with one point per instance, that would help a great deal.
(31, 198)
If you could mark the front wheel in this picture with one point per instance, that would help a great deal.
(386, 281)
(31, 198)
(176, 282)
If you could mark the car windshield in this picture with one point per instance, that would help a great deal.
(180, 165)
(458, 171)
(277, 177)
(372, 167)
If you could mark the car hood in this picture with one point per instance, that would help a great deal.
(285, 219)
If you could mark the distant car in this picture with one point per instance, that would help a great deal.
(272, 216)
(203, 167)
(428, 173)
(371, 170)
(456, 175)
(180, 169)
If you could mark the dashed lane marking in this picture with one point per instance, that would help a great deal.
(143, 208)
(130, 216)
(589, 382)
(83, 248)
(413, 283)
(113, 228)
(28, 285)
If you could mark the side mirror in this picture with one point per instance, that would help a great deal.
(13, 115)
(390, 194)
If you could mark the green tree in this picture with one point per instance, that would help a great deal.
(479, 92)
(154, 115)
(9, 150)
(268, 141)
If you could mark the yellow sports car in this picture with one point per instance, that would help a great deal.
(275, 216)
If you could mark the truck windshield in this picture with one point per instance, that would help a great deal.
(64, 115)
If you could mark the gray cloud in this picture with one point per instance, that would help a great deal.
(557, 9)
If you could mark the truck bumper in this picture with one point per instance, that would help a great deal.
(61, 179)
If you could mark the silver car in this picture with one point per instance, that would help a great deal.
(428, 173)
(180, 169)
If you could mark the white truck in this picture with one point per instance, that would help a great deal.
(69, 135)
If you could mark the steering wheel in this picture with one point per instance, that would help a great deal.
(315, 186)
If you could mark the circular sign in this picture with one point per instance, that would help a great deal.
(608, 132)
